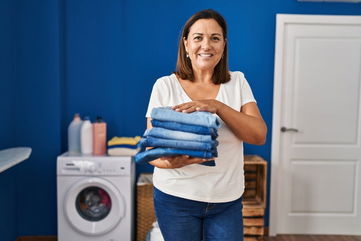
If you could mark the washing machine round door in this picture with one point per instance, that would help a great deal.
(94, 206)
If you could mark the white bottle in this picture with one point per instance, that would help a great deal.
(74, 135)
(86, 137)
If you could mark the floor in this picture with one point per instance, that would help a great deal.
(312, 238)
(277, 238)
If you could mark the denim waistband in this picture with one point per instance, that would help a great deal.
(201, 118)
(179, 144)
(176, 126)
(176, 135)
(152, 154)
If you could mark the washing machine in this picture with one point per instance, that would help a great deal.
(95, 197)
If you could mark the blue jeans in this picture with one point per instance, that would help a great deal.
(181, 219)
(152, 154)
(180, 144)
(201, 118)
(185, 127)
(176, 135)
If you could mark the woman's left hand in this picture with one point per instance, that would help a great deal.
(198, 105)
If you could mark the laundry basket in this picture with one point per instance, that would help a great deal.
(145, 208)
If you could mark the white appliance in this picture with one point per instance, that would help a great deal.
(95, 198)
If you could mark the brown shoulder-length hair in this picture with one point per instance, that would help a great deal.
(184, 66)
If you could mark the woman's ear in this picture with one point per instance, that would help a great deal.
(185, 42)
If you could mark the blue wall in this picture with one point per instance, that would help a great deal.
(7, 98)
(7, 72)
(8, 205)
(38, 113)
(102, 58)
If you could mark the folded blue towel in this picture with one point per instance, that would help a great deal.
(179, 144)
(201, 118)
(176, 135)
(170, 125)
(152, 154)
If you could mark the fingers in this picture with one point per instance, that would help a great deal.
(176, 161)
(186, 107)
(161, 163)
(165, 157)
(200, 105)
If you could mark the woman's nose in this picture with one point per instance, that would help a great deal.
(206, 44)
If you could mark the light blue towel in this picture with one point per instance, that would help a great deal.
(176, 135)
(201, 118)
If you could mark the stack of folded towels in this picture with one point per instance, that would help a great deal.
(176, 133)
(123, 146)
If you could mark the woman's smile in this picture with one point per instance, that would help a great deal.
(205, 56)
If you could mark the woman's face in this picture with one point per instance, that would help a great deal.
(205, 44)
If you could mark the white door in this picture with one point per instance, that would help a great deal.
(316, 171)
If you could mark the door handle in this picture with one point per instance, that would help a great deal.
(285, 129)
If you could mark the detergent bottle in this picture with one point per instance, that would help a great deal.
(74, 135)
(99, 136)
(86, 137)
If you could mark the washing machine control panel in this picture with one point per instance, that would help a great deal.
(89, 167)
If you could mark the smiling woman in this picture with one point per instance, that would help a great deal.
(204, 45)
(197, 202)
(204, 35)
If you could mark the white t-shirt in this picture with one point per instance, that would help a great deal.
(223, 182)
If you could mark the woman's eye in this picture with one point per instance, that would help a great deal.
(198, 38)
(216, 38)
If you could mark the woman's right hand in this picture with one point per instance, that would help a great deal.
(171, 162)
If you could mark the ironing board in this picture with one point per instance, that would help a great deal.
(12, 156)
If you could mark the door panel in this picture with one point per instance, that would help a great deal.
(314, 177)
(317, 92)
(331, 67)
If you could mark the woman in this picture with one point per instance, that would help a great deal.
(197, 202)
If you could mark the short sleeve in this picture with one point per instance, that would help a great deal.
(157, 98)
(246, 92)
